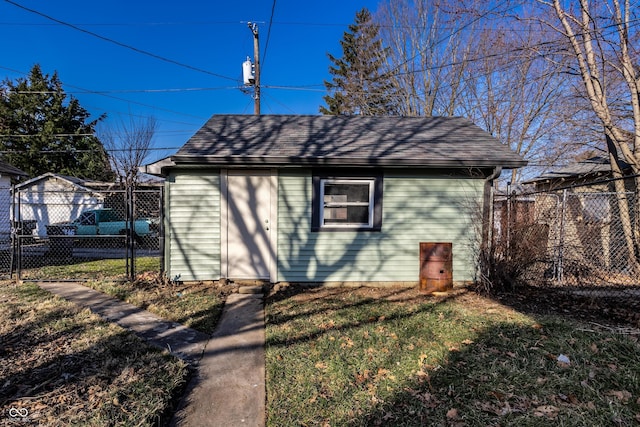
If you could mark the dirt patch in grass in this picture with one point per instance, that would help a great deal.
(60, 366)
(369, 356)
(606, 311)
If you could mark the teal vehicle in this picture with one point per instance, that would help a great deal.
(104, 222)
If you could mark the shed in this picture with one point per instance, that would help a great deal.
(327, 198)
(52, 198)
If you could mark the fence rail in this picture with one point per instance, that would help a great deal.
(80, 234)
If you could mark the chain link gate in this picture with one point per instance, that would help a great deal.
(84, 234)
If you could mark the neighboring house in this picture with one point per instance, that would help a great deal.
(326, 198)
(8, 174)
(589, 186)
(52, 198)
(594, 172)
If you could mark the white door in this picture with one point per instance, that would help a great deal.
(249, 219)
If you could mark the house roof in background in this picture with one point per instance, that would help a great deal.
(155, 168)
(146, 180)
(589, 168)
(8, 169)
(273, 140)
(82, 184)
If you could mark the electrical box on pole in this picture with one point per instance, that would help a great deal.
(248, 73)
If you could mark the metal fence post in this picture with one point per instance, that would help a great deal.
(161, 231)
(131, 234)
(563, 211)
(509, 222)
(15, 249)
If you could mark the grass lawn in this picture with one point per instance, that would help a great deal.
(61, 366)
(196, 305)
(365, 357)
(335, 357)
(104, 269)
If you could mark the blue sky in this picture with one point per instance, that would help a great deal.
(210, 36)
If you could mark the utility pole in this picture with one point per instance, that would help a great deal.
(256, 59)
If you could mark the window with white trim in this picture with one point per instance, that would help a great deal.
(347, 203)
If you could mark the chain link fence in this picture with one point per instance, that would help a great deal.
(81, 234)
(579, 240)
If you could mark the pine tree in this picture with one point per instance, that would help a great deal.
(41, 131)
(359, 86)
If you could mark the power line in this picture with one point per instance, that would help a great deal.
(102, 92)
(117, 43)
(124, 24)
(89, 91)
(66, 135)
(281, 104)
(91, 150)
(448, 36)
(394, 71)
(186, 132)
(308, 88)
(390, 73)
(210, 23)
(56, 135)
(266, 45)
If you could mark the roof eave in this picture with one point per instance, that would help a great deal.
(275, 161)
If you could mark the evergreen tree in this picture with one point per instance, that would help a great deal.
(41, 131)
(359, 86)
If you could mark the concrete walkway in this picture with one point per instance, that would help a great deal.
(229, 386)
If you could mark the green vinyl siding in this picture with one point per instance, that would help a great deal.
(417, 207)
(193, 225)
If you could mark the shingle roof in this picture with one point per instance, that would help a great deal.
(592, 167)
(81, 183)
(8, 169)
(344, 141)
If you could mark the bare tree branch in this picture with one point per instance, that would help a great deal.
(129, 145)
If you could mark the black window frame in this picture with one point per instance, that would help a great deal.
(318, 203)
